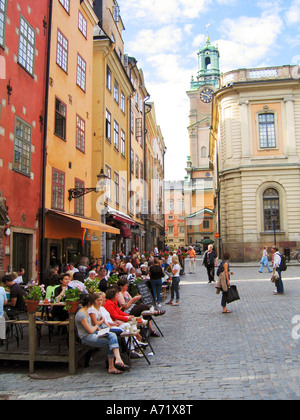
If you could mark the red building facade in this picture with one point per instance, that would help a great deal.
(23, 64)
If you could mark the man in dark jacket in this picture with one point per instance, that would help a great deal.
(210, 260)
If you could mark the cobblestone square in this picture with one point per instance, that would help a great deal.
(204, 355)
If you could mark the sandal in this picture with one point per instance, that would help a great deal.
(122, 367)
(227, 312)
(169, 303)
(154, 334)
(115, 372)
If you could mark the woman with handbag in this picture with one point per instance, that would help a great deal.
(223, 283)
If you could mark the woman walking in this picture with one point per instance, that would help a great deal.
(156, 274)
(265, 261)
(175, 270)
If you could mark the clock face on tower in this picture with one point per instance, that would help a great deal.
(206, 95)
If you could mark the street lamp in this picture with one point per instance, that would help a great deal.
(79, 192)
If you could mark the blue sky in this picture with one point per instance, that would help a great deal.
(165, 36)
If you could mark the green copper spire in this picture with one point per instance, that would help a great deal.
(208, 66)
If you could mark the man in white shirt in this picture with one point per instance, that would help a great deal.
(276, 267)
(19, 279)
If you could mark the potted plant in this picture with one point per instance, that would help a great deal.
(133, 290)
(92, 286)
(113, 280)
(72, 298)
(34, 296)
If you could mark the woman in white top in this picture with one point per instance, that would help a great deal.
(100, 316)
(175, 269)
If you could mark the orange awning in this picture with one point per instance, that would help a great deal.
(86, 223)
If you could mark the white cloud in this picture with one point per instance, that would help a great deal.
(165, 11)
(247, 41)
(292, 16)
(167, 38)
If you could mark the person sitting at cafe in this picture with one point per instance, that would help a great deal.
(92, 276)
(3, 301)
(58, 312)
(16, 304)
(129, 305)
(111, 305)
(88, 335)
(110, 266)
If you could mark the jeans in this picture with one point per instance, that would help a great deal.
(264, 262)
(279, 283)
(175, 288)
(110, 341)
(156, 287)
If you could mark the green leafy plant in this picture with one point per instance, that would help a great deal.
(113, 280)
(35, 292)
(133, 290)
(92, 286)
(73, 295)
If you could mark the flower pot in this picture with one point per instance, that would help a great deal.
(32, 306)
(72, 307)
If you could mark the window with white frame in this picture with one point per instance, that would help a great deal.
(65, 4)
(26, 46)
(108, 125)
(108, 182)
(108, 78)
(116, 91)
(81, 72)
(271, 210)
(22, 147)
(2, 21)
(79, 202)
(80, 134)
(122, 102)
(116, 135)
(267, 131)
(62, 51)
(117, 188)
(82, 24)
(123, 143)
(58, 189)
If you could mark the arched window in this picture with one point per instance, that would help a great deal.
(271, 210)
(203, 152)
(207, 63)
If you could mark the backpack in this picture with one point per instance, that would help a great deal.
(282, 265)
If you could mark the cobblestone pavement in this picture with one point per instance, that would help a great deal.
(249, 354)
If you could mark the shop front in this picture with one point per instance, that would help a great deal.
(123, 223)
(68, 237)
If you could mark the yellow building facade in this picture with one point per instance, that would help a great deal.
(112, 93)
(256, 149)
(69, 131)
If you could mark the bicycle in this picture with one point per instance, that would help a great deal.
(295, 255)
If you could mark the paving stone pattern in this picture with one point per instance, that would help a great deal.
(249, 354)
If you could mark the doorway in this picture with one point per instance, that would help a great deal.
(21, 243)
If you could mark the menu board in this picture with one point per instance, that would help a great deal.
(146, 294)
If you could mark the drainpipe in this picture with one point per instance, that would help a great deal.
(43, 210)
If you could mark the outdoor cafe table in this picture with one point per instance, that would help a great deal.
(33, 357)
(45, 308)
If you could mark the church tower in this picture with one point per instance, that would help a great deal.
(201, 94)
(199, 179)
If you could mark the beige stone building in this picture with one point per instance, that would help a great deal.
(255, 146)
